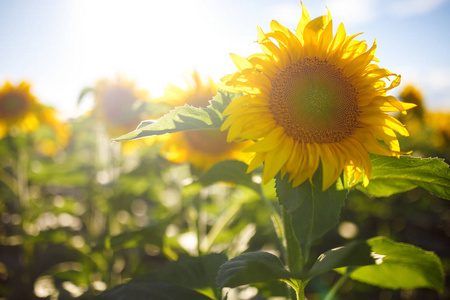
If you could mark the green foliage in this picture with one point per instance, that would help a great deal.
(312, 211)
(379, 261)
(401, 266)
(356, 253)
(93, 218)
(149, 235)
(229, 171)
(251, 267)
(392, 175)
(184, 118)
(151, 290)
(180, 279)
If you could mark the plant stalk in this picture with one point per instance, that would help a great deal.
(295, 259)
(337, 286)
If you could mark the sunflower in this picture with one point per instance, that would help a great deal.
(313, 98)
(412, 94)
(20, 112)
(440, 123)
(426, 126)
(17, 109)
(117, 104)
(202, 148)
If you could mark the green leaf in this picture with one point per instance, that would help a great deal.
(190, 272)
(401, 266)
(175, 280)
(251, 267)
(152, 235)
(83, 93)
(151, 290)
(184, 118)
(294, 254)
(391, 175)
(229, 171)
(356, 253)
(313, 211)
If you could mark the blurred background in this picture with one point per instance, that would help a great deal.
(79, 214)
(64, 46)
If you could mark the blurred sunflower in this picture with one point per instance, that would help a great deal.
(20, 112)
(118, 105)
(18, 109)
(440, 124)
(412, 94)
(202, 148)
(426, 126)
(313, 97)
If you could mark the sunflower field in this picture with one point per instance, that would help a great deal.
(298, 176)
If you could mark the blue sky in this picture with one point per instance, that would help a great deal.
(64, 46)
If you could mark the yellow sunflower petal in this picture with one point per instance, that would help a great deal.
(276, 159)
(240, 62)
(305, 19)
(270, 142)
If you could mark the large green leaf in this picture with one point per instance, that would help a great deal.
(229, 171)
(151, 290)
(401, 266)
(313, 211)
(391, 175)
(249, 268)
(190, 272)
(356, 253)
(184, 118)
(175, 280)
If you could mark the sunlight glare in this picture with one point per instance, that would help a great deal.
(156, 42)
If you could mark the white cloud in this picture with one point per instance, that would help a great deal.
(408, 8)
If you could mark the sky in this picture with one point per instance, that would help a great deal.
(64, 46)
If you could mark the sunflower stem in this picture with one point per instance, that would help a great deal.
(228, 215)
(294, 251)
(276, 220)
(294, 257)
(290, 246)
(337, 286)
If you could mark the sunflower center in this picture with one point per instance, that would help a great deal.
(208, 141)
(314, 102)
(13, 105)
